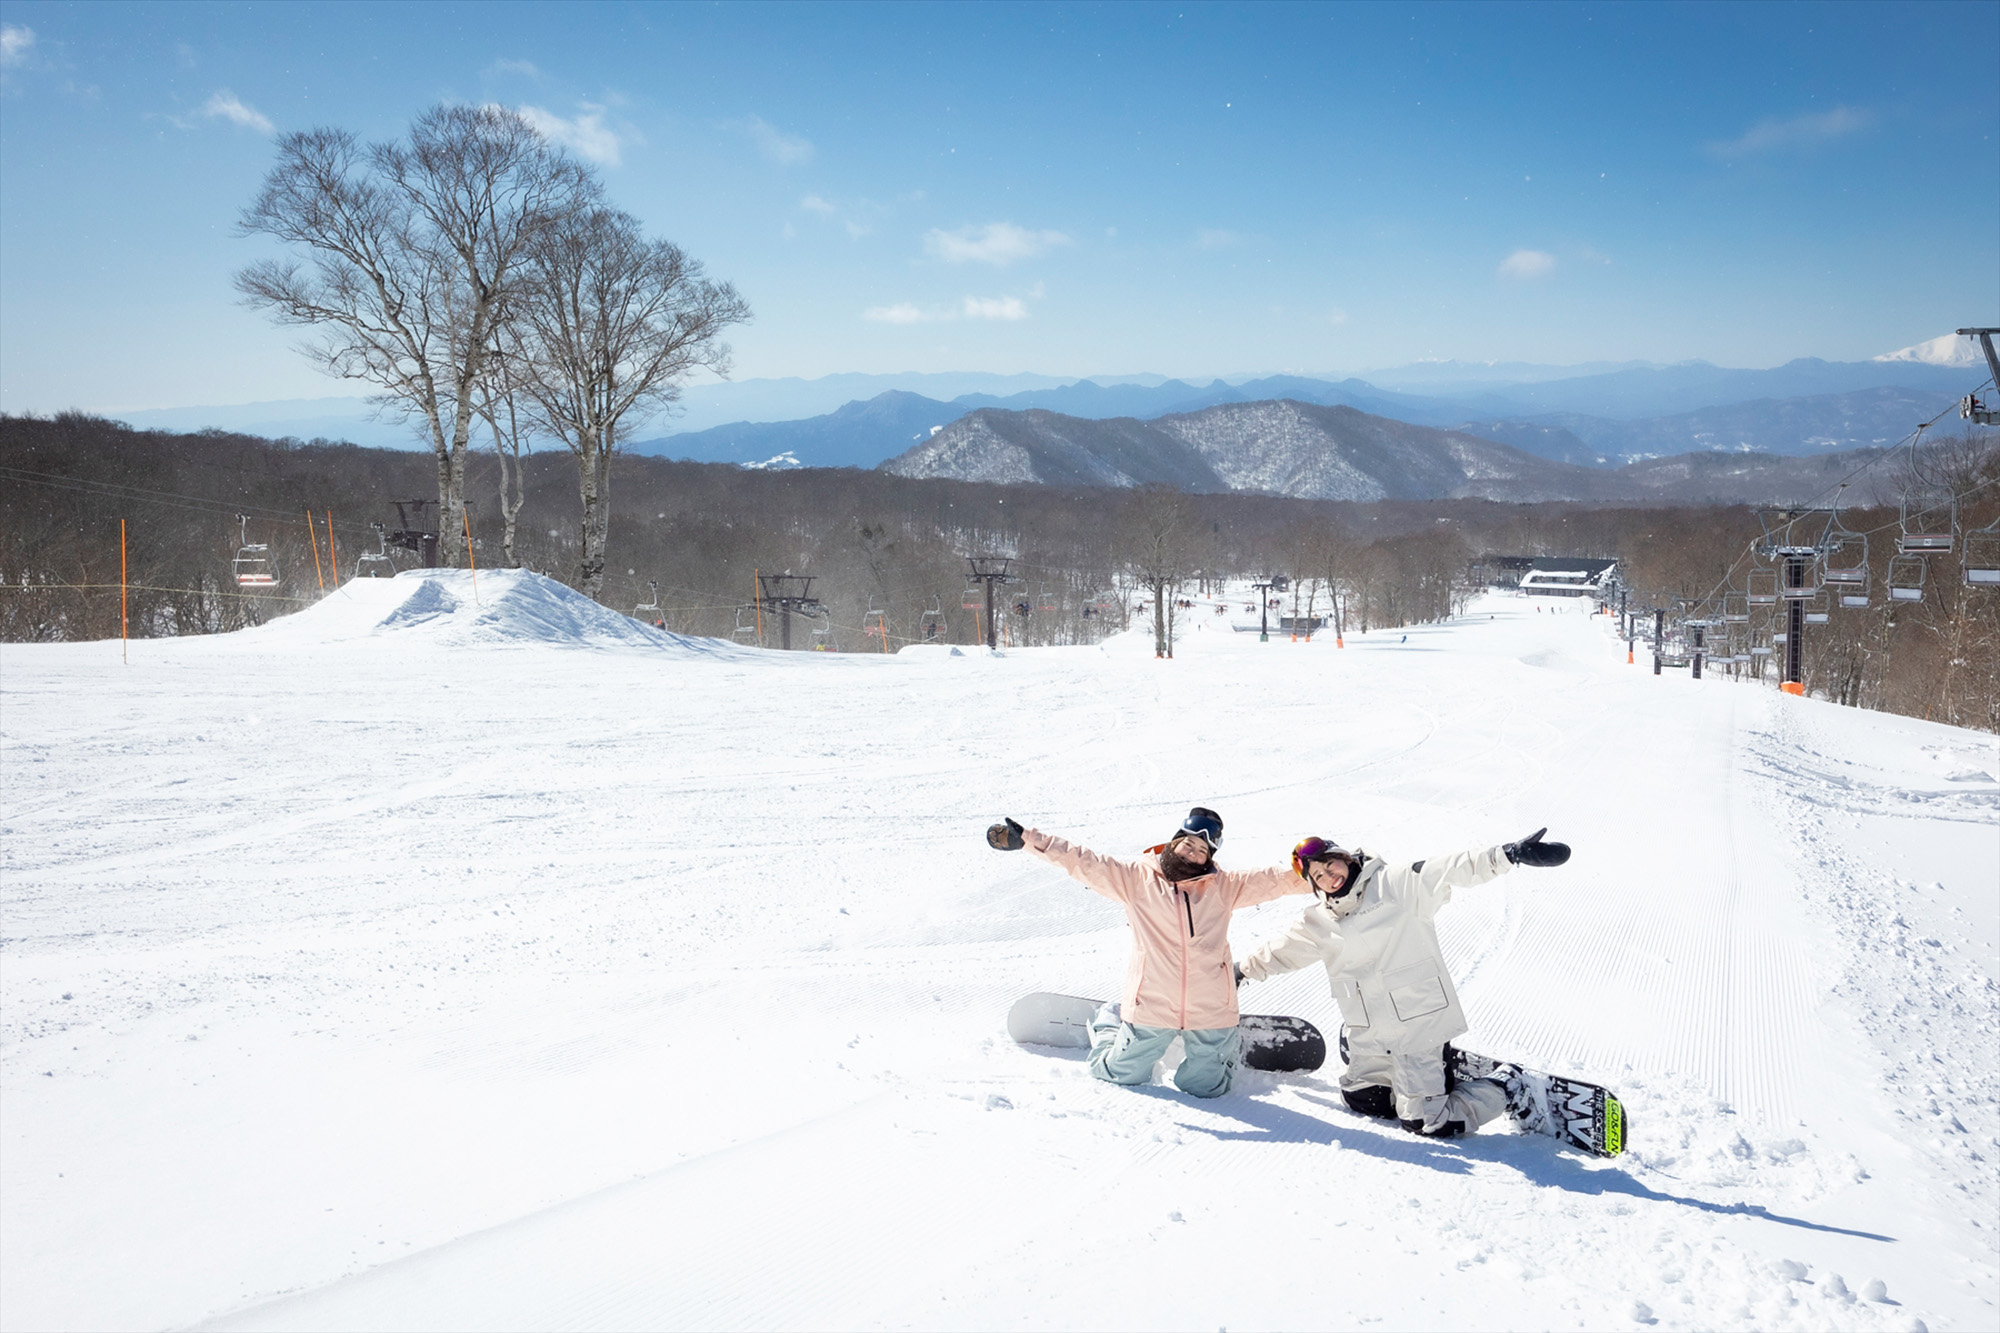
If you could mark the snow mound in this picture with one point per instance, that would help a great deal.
(498, 608)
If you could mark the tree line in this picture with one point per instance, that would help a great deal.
(890, 553)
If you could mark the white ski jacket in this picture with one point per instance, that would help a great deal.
(1380, 947)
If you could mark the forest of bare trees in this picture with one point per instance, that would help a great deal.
(1088, 561)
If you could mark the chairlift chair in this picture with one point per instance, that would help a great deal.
(1844, 564)
(1735, 608)
(1929, 520)
(649, 610)
(1979, 558)
(1906, 578)
(1855, 601)
(1761, 587)
(746, 623)
(822, 633)
(1815, 608)
(875, 623)
(254, 567)
(376, 564)
(933, 620)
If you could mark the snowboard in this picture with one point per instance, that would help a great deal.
(1581, 1114)
(1275, 1043)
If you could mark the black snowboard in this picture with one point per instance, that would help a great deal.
(1272, 1042)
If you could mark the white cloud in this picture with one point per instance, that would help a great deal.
(995, 307)
(995, 243)
(586, 132)
(812, 203)
(1215, 238)
(15, 43)
(1803, 131)
(503, 66)
(900, 313)
(855, 230)
(1336, 316)
(225, 105)
(777, 146)
(1528, 264)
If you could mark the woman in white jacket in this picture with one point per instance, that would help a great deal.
(1374, 927)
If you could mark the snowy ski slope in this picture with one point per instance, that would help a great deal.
(433, 959)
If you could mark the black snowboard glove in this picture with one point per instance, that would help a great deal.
(1532, 851)
(1239, 976)
(1006, 836)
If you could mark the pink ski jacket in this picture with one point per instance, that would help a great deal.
(1180, 976)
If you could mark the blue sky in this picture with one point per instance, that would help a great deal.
(1069, 189)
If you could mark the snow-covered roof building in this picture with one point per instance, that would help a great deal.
(1567, 576)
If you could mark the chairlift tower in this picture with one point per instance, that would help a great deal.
(1265, 586)
(1971, 409)
(989, 570)
(1798, 541)
(784, 594)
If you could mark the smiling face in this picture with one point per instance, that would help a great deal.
(1191, 848)
(1329, 877)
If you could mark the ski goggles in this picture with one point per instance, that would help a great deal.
(1204, 824)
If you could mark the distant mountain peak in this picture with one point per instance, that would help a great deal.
(1948, 350)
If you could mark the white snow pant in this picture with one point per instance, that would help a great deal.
(1122, 1052)
(1423, 1097)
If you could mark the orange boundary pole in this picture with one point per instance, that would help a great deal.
(332, 555)
(757, 597)
(465, 516)
(312, 535)
(124, 609)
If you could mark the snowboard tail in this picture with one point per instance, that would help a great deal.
(1583, 1115)
(1275, 1043)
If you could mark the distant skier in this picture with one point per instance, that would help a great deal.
(1374, 927)
(1179, 983)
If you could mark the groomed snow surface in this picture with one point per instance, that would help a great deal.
(450, 959)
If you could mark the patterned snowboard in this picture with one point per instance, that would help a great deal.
(1581, 1114)
(1272, 1042)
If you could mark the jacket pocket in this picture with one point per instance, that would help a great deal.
(1416, 990)
(1353, 1010)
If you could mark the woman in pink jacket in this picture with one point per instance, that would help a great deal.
(1181, 979)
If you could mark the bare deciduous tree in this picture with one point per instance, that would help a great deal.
(613, 323)
(1158, 535)
(413, 251)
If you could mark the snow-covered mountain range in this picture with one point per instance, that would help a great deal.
(1311, 451)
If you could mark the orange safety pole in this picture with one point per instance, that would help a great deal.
(332, 556)
(312, 535)
(465, 516)
(124, 622)
(757, 599)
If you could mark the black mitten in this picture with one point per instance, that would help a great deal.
(1532, 851)
(1240, 978)
(1006, 836)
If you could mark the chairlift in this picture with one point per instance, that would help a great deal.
(875, 624)
(1979, 558)
(1815, 608)
(1929, 519)
(1799, 580)
(1735, 608)
(746, 623)
(933, 620)
(1906, 578)
(649, 610)
(1760, 643)
(822, 633)
(254, 567)
(1762, 587)
(1854, 601)
(376, 564)
(975, 598)
(1844, 564)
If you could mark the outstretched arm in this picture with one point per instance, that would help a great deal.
(1311, 939)
(1113, 878)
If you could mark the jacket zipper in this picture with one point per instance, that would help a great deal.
(1187, 901)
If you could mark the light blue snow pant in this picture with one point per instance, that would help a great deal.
(1122, 1052)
